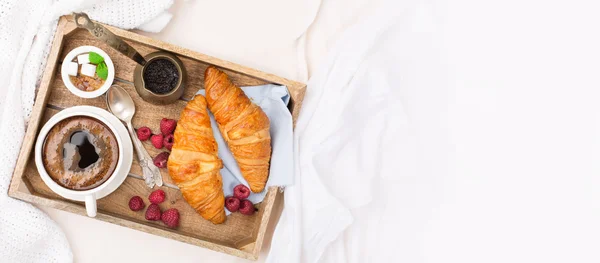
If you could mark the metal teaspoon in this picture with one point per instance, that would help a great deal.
(121, 105)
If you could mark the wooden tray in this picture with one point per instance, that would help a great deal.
(240, 235)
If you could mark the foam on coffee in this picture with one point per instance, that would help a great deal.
(80, 153)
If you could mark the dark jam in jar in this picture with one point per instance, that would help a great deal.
(160, 76)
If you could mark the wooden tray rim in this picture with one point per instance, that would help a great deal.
(65, 26)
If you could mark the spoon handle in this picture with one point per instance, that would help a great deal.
(83, 21)
(150, 172)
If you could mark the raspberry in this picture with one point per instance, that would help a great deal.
(171, 218)
(168, 141)
(136, 203)
(167, 126)
(246, 207)
(157, 141)
(161, 159)
(241, 191)
(153, 212)
(232, 203)
(157, 196)
(144, 133)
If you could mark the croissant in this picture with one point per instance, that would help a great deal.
(244, 126)
(194, 164)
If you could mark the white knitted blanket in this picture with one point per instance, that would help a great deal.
(26, 31)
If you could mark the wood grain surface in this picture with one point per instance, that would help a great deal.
(240, 235)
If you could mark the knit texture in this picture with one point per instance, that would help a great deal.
(26, 30)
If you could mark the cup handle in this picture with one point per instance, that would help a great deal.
(90, 205)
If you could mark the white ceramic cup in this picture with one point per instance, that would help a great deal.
(87, 94)
(123, 165)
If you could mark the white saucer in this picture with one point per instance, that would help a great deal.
(125, 151)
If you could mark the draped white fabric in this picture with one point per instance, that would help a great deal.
(451, 131)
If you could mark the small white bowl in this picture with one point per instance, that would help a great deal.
(121, 170)
(88, 94)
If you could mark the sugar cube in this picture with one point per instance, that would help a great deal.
(88, 69)
(83, 59)
(72, 68)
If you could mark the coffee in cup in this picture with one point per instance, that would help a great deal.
(80, 153)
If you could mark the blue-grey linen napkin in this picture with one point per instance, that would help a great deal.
(273, 100)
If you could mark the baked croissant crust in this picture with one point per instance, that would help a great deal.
(244, 126)
(194, 164)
